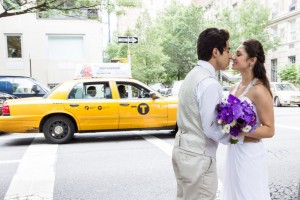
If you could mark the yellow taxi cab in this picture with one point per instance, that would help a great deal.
(90, 105)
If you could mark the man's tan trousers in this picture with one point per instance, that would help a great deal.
(196, 175)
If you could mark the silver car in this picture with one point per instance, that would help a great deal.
(285, 94)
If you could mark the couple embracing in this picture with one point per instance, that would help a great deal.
(196, 142)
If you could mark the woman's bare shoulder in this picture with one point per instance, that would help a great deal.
(259, 90)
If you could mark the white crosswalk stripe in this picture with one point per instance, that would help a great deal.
(35, 175)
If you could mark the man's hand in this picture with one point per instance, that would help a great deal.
(251, 139)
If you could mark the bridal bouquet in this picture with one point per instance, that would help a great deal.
(235, 117)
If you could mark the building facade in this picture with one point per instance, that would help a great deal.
(48, 48)
(285, 24)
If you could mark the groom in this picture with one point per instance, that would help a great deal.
(196, 142)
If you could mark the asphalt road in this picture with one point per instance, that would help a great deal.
(128, 165)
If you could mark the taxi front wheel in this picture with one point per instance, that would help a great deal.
(58, 130)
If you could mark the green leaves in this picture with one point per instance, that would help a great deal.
(248, 20)
(179, 29)
(129, 3)
(167, 45)
(290, 73)
(148, 58)
(11, 4)
(74, 8)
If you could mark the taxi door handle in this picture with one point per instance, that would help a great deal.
(124, 104)
(74, 105)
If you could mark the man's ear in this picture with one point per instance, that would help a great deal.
(215, 52)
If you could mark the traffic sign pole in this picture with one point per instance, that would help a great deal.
(128, 53)
(128, 40)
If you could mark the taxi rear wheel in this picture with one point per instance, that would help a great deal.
(58, 130)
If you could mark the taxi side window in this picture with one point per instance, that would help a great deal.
(132, 90)
(76, 92)
(99, 90)
(91, 91)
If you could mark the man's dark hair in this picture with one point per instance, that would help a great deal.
(208, 40)
(91, 88)
(121, 87)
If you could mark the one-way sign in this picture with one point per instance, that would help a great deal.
(128, 39)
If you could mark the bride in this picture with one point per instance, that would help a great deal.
(245, 168)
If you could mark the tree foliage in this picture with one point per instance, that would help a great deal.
(249, 20)
(147, 57)
(167, 46)
(66, 7)
(115, 50)
(19, 7)
(290, 73)
(179, 27)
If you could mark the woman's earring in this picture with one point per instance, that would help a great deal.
(251, 66)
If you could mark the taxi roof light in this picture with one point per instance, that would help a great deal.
(103, 70)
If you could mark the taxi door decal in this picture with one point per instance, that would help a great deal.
(143, 108)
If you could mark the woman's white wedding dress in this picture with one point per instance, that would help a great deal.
(245, 176)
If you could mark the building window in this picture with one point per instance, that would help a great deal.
(274, 70)
(274, 32)
(291, 46)
(292, 27)
(293, 5)
(234, 3)
(282, 34)
(14, 46)
(66, 47)
(274, 10)
(292, 59)
(298, 31)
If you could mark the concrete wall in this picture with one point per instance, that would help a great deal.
(34, 33)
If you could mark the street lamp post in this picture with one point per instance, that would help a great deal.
(30, 70)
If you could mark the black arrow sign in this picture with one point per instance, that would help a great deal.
(132, 40)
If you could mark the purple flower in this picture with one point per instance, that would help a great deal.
(235, 131)
(235, 116)
(233, 99)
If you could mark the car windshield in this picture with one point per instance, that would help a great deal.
(285, 87)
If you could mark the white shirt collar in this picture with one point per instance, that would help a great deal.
(206, 65)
